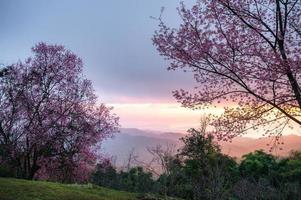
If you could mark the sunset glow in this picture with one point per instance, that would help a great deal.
(160, 116)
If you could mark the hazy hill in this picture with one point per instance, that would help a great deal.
(138, 140)
(18, 189)
(243, 145)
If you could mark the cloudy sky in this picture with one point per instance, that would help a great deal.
(113, 37)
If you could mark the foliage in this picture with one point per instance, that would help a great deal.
(176, 182)
(50, 123)
(243, 52)
(6, 171)
(258, 165)
(270, 177)
(200, 171)
(134, 180)
(290, 168)
(210, 173)
(105, 175)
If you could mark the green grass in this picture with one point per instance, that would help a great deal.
(18, 189)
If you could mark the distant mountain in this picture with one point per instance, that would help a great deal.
(150, 133)
(128, 140)
(243, 145)
(138, 140)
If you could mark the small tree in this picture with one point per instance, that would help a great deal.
(211, 172)
(258, 165)
(163, 157)
(106, 175)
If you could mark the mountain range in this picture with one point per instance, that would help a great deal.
(135, 141)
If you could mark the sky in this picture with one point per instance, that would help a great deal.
(113, 37)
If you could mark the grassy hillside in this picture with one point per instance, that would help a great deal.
(15, 189)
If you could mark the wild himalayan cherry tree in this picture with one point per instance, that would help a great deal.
(50, 122)
(245, 52)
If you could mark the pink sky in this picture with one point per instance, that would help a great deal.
(114, 40)
(170, 117)
(159, 116)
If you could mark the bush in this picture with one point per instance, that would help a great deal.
(5, 171)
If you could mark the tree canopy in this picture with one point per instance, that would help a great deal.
(246, 53)
(50, 121)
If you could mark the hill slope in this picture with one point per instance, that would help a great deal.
(16, 189)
